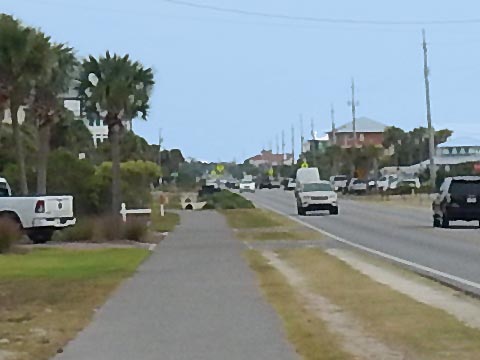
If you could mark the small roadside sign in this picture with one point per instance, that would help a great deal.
(304, 164)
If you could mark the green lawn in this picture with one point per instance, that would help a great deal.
(165, 223)
(253, 218)
(56, 291)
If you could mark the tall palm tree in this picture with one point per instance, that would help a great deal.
(47, 106)
(23, 57)
(115, 89)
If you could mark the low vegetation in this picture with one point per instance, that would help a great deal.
(396, 319)
(259, 224)
(225, 199)
(106, 228)
(307, 333)
(41, 289)
(165, 223)
(9, 234)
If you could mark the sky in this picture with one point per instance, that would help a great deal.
(228, 84)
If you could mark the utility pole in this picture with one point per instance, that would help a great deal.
(160, 142)
(277, 145)
(302, 138)
(314, 142)
(293, 145)
(354, 125)
(283, 146)
(334, 130)
(431, 132)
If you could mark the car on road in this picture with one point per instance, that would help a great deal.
(275, 183)
(38, 216)
(247, 185)
(459, 199)
(339, 182)
(317, 195)
(357, 186)
(290, 185)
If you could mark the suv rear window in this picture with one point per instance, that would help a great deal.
(460, 187)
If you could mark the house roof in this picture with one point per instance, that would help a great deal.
(460, 142)
(268, 156)
(364, 125)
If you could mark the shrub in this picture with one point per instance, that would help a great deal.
(84, 230)
(135, 230)
(109, 228)
(9, 234)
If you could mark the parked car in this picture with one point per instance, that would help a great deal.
(357, 186)
(413, 183)
(38, 216)
(459, 199)
(264, 183)
(387, 182)
(339, 182)
(290, 185)
(317, 195)
(276, 183)
(247, 186)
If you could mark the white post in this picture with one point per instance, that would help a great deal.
(162, 210)
(123, 212)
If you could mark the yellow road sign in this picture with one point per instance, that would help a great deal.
(304, 164)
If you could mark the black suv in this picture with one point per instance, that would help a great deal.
(459, 199)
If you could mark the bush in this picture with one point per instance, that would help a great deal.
(109, 228)
(135, 230)
(84, 230)
(226, 200)
(9, 234)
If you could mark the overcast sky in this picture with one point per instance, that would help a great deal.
(228, 84)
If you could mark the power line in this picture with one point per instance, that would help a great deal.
(325, 20)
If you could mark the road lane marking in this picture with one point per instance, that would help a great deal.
(396, 259)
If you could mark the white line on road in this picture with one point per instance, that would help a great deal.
(381, 254)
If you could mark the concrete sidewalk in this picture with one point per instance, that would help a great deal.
(194, 299)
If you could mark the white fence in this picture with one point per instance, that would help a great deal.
(124, 212)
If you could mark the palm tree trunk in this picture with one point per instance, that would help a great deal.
(42, 159)
(19, 152)
(115, 148)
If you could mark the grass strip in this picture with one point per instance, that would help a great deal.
(396, 319)
(254, 218)
(47, 296)
(278, 235)
(307, 333)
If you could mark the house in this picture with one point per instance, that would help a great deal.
(71, 102)
(267, 157)
(316, 143)
(369, 132)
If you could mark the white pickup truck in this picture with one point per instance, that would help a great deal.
(38, 216)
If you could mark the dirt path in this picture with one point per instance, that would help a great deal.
(355, 340)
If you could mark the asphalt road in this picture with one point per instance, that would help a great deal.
(195, 298)
(404, 233)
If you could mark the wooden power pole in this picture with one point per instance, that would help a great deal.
(283, 147)
(334, 130)
(431, 131)
(293, 145)
(354, 120)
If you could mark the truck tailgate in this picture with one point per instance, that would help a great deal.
(59, 206)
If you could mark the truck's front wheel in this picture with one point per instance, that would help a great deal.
(40, 236)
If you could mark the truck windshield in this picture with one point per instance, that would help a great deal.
(317, 187)
(461, 187)
(339, 178)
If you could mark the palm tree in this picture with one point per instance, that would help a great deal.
(47, 106)
(23, 57)
(115, 89)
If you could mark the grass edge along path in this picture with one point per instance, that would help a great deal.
(396, 319)
(47, 296)
(261, 224)
(305, 331)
